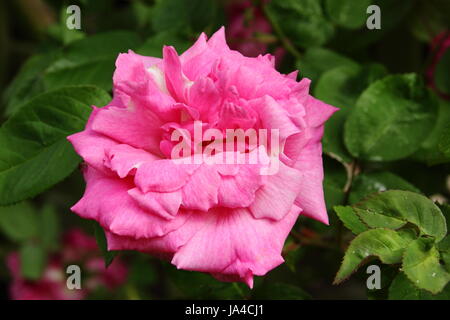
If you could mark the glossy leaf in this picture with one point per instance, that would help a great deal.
(444, 251)
(35, 152)
(350, 219)
(302, 21)
(421, 265)
(403, 289)
(90, 60)
(153, 46)
(334, 183)
(341, 87)
(315, 61)
(194, 15)
(431, 152)
(393, 209)
(29, 81)
(348, 13)
(444, 142)
(385, 244)
(391, 119)
(367, 183)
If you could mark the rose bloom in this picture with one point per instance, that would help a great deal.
(78, 248)
(228, 220)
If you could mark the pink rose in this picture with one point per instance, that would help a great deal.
(227, 219)
(78, 248)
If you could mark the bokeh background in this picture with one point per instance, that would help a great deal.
(41, 237)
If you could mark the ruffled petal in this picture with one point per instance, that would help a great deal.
(204, 96)
(130, 67)
(239, 190)
(167, 244)
(176, 82)
(309, 163)
(164, 204)
(197, 48)
(218, 42)
(124, 160)
(317, 112)
(234, 243)
(107, 201)
(273, 116)
(276, 197)
(201, 192)
(138, 84)
(137, 127)
(163, 175)
(91, 145)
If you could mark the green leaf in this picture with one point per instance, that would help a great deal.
(350, 219)
(444, 244)
(445, 209)
(302, 21)
(388, 273)
(430, 151)
(316, 61)
(19, 222)
(49, 227)
(403, 289)
(386, 244)
(332, 141)
(333, 183)
(195, 15)
(366, 183)
(90, 60)
(444, 250)
(341, 87)
(32, 261)
(35, 151)
(393, 13)
(444, 142)
(441, 74)
(29, 81)
(153, 45)
(393, 209)
(391, 119)
(108, 256)
(348, 13)
(421, 265)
